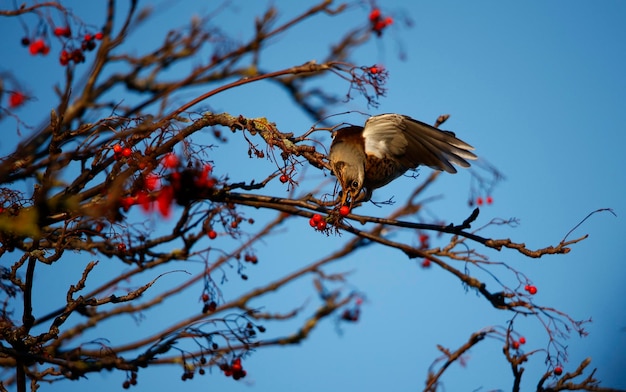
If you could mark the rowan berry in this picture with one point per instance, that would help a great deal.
(38, 47)
(16, 99)
(170, 160)
(379, 26)
(78, 56)
(65, 57)
(558, 370)
(212, 234)
(344, 210)
(62, 31)
(152, 181)
(375, 14)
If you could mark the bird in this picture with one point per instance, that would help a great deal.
(387, 146)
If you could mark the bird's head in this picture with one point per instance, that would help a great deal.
(347, 160)
(348, 163)
(351, 177)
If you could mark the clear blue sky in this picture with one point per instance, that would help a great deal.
(538, 88)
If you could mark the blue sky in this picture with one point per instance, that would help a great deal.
(537, 87)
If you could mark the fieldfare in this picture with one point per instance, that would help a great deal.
(366, 158)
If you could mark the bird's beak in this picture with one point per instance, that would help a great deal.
(344, 196)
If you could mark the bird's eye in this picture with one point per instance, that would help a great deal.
(355, 184)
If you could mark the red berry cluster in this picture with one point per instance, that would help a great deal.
(516, 343)
(318, 222)
(532, 290)
(425, 244)
(250, 258)
(75, 55)
(63, 31)
(234, 369)
(424, 241)
(131, 381)
(183, 183)
(186, 183)
(88, 43)
(209, 306)
(120, 152)
(377, 22)
(68, 54)
(38, 46)
(480, 201)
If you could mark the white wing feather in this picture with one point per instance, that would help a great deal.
(415, 143)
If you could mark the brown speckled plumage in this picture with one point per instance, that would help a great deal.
(366, 158)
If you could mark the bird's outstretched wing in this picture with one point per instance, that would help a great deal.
(413, 143)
